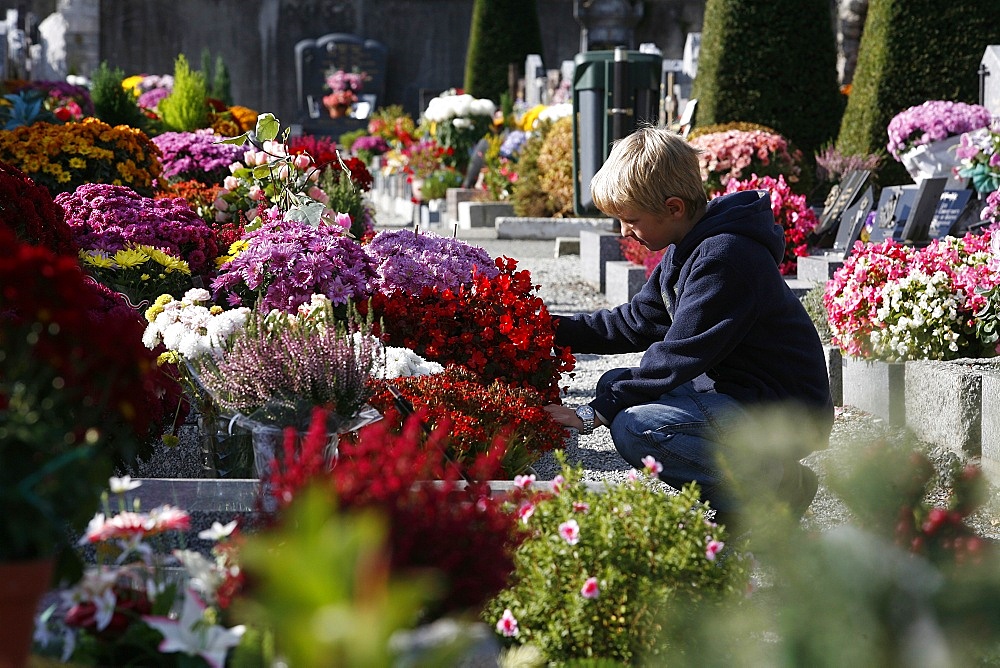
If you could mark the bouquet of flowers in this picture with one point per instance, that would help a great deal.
(423, 157)
(895, 303)
(196, 155)
(109, 218)
(409, 262)
(63, 157)
(979, 152)
(933, 121)
(457, 121)
(496, 327)
(142, 599)
(284, 262)
(735, 154)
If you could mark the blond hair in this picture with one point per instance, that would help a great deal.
(646, 168)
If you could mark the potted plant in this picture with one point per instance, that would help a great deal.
(76, 399)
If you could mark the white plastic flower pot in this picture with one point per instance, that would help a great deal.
(934, 160)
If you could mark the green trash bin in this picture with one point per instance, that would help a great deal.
(613, 91)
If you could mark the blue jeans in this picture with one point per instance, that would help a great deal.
(682, 430)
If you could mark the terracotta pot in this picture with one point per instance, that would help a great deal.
(338, 110)
(22, 584)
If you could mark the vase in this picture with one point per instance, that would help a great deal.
(22, 584)
(934, 160)
(226, 448)
(338, 110)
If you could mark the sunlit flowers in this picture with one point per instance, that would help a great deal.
(132, 525)
(590, 588)
(651, 466)
(507, 626)
(569, 531)
(713, 548)
(192, 634)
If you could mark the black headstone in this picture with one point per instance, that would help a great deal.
(850, 187)
(924, 205)
(890, 216)
(853, 222)
(950, 207)
(316, 58)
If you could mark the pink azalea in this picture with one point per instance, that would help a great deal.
(580, 506)
(507, 626)
(526, 510)
(570, 531)
(653, 467)
(713, 548)
(590, 588)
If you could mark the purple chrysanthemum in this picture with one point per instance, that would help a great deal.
(407, 261)
(196, 155)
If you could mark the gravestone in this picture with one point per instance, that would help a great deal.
(316, 58)
(853, 222)
(950, 208)
(990, 71)
(891, 215)
(850, 187)
(925, 203)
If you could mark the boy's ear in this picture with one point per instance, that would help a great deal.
(676, 207)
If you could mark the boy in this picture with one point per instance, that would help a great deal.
(719, 328)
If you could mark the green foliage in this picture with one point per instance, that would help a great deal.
(186, 108)
(555, 167)
(217, 77)
(345, 197)
(771, 62)
(913, 51)
(647, 550)
(112, 103)
(436, 184)
(24, 108)
(726, 127)
(503, 32)
(528, 198)
(813, 303)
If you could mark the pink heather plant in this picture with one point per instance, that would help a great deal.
(734, 154)
(895, 303)
(109, 218)
(285, 262)
(933, 121)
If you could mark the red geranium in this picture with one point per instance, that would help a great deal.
(498, 328)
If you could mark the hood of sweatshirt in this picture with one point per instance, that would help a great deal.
(747, 213)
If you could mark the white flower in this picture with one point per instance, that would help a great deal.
(192, 635)
(123, 484)
(205, 576)
(218, 531)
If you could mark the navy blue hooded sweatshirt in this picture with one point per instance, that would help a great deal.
(717, 311)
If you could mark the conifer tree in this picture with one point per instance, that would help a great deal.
(503, 32)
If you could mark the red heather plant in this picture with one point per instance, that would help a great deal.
(461, 531)
(28, 210)
(790, 211)
(478, 415)
(496, 327)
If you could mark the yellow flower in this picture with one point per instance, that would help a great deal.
(130, 257)
(96, 258)
(132, 83)
(168, 357)
(170, 262)
(77, 163)
(527, 121)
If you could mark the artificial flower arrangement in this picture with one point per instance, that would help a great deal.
(497, 327)
(790, 211)
(409, 262)
(79, 393)
(478, 414)
(196, 155)
(735, 154)
(143, 603)
(979, 152)
(32, 215)
(457, 121)
(62, 157)
(597, 572)
(933, 121)
(897, 303)
(109, 218)
(282, 263)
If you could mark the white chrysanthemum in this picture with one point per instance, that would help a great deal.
(554, 112)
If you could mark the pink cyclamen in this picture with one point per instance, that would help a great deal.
(590, 589)
(507, 625)
(570, 531)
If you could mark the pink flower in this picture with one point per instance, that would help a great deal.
(590, 588)
(580, 506)
(713, 548)
(344, 220)
(570, 531)
(256, 194)
(631, 476)
(524, 481)
(526, 510)
(557, 484)
(507, 626)
(653, 467)
(301, 161)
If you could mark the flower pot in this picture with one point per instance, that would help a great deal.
(22, 584)
(934, 160)
(338, 110)
(226, 450)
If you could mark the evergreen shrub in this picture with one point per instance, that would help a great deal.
(186, 108)
(503, 32)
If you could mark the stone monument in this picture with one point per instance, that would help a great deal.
(605, 24)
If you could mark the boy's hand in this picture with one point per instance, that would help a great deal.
(567, 417)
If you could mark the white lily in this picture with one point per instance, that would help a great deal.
(191, 634)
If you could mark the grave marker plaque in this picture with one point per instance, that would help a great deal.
(949, 209)
(314, 58)
(890, 217)
(924, 204)
(852, 223)
(850, 187)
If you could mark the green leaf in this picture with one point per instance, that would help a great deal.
(261, 171)
(267, 127)
(238, 141)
